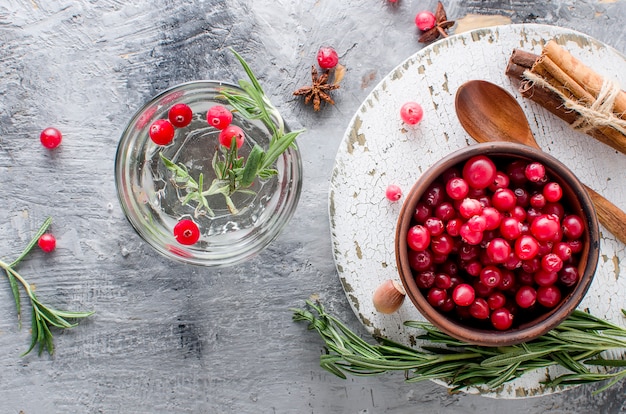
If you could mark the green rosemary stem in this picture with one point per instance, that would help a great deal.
(43, 316)
(576, 345)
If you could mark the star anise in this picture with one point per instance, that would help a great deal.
(441, 25)
(319, 89)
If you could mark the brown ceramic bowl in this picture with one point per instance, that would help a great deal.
(528, 323)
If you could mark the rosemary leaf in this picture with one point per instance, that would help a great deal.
(463, 365)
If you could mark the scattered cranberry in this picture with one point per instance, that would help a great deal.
(50, 138)
(393, 192)
(47, 242)
(227, 134)
(327, 57)
(186, 232)
(180, 115)
(425, 20)
(411, 113)
(161, 132)
(219, 117)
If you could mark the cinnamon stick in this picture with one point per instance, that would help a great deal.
(583, 75)
(519, 62)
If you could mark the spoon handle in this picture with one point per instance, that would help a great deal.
(609, 215)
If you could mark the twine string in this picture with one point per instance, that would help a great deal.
(598, 114)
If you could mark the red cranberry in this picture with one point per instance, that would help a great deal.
(548, 296)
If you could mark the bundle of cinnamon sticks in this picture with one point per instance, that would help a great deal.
(572, 91)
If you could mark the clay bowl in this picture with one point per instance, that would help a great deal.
(528, 323)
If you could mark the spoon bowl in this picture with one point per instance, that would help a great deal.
(489, 113)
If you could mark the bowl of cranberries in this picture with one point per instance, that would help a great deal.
(497, 243)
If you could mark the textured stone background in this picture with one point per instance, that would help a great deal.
(174, 338)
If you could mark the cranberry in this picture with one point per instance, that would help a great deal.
(47, 242)
(50, 138)
(422, 212)
(532, 265)
(548, 296)
(436, 297)
(537, 200)
(492, 218)
(418, 238)
(180, 115)
(498, 250)
(447, 305)
(463, 294)
(434, 226)
(425, 20)
(327, 57)
(477, 223)
(161, 132)
(568, 276)
(442, 244)
(445, 211)
(551, 262)
(227, 134)
(411, 113)
(522, 198)
(186, 232)
(552, 192)
(562, 250)
(425, 280)
(490, 276)
(219, 117)
(435, 194)
(496, 300)
(504, 199)
(510, 228)
(473, 267)
(420, 261)
(393, 192)
(470, 207)
(479, 309)
(457, 188)
(535, 172)
(479, 172)
(501, 319)
(470, 237)
(526, 297)
(543, 277)
(443, 281)
(453, 227)
(555, 209)
(501, 180)
(526, 247)
(573, 226)
(516, 172)
(544, 227)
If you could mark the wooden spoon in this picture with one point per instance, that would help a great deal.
(489, 113)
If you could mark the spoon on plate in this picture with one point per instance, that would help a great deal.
(489, 113)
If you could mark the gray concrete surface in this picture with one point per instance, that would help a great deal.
(171, 338)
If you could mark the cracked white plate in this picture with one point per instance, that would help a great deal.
(378, 149)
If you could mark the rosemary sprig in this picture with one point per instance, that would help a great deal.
(43, 316)
(234, 173)
(576, 345)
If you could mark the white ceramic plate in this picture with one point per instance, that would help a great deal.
(378, 149)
